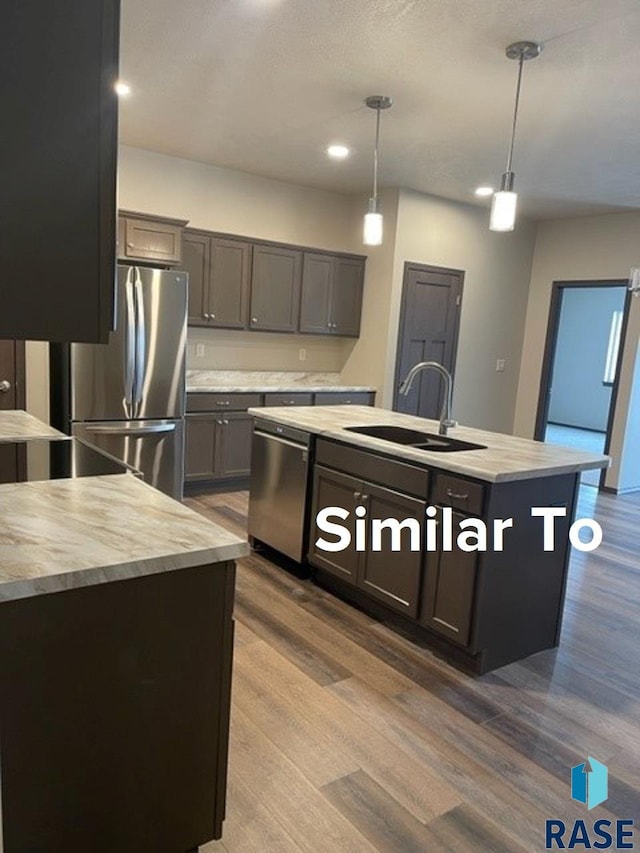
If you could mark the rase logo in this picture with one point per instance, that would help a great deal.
(589, 785)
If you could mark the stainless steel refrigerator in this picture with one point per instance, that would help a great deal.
(128, 397)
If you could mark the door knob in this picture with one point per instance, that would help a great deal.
(5, 386)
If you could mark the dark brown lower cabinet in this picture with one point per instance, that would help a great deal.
(331, 488)
(114, 714)
(449, 588)
(218, 447)
(233, 445)
(482, 609)
(390, 576)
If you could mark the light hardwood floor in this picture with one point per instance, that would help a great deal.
(348, 737)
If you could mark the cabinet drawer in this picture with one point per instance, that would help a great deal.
(296, 399)
(392, 473)
(344, 398)
(221, 402)
(459, 493)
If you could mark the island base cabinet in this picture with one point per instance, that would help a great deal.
(114, 714)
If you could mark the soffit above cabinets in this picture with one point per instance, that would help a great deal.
(265, 85)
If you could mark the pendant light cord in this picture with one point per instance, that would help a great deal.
(375, 158)
(515, 115)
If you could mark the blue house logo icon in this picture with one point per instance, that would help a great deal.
(589, 786)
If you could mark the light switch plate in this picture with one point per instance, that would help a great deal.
(500, 364)
(199, 350)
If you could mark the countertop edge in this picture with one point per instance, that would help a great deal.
(95, 576)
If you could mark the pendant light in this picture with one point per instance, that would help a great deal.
(373, 218)
(504, 203)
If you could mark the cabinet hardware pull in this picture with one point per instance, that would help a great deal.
(365, 499)
(225, 422)
(222, 402)
(5, 386)
(357, 496)
(212, 316)
(254, 319)
(457, 496)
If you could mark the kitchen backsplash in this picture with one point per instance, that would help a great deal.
(221, 349)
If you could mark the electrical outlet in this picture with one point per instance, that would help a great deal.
(500, 363)
(199, 350)
(302, 355)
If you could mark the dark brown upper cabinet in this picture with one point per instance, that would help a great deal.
(219, 279)
(331, 298)
(58, 152)
(150, 239)
(275, 289)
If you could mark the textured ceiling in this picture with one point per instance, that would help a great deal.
(264, 85)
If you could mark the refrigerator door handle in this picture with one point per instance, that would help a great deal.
(135, 430)
(141, 345)
(129, 345)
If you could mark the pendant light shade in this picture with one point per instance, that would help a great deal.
(505, 201)
(373, 227)
(503, 205)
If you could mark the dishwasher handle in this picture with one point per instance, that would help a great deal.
(271, 437)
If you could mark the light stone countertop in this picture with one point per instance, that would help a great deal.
(265, 381)
(18, 425)
(63, 534)
(505, 458)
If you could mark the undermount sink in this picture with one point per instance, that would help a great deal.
(418, 440)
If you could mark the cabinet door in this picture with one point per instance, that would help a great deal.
(196, 261)
(58, 150)
(315, 302)
(447, 599)
(330, 488)
(275, 289)
(347, 296)
(392, 576)
(151, 240)
(200, 444)
(233, 445)
(229, 283)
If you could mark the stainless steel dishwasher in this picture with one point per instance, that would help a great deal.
(278, 490)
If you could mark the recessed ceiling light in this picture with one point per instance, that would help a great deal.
(123, 89)
(483, 192)
(338, 152)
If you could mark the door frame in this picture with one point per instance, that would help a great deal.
(428, 268)
(550, 346)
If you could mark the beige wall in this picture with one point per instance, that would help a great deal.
(580, 249)
(367, 359)
(239, 203)
(37, 379)
(436, 231)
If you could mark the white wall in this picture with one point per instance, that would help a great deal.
(436, 231)
(578, 397)
(581, 249)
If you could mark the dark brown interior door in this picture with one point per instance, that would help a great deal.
(429, 320)
(12, 396)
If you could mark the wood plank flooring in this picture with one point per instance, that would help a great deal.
(346, 736)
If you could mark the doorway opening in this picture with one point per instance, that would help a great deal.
(428, 331)
(579, 382)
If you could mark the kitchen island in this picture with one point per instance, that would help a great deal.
(116, 635)
(480, 607)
